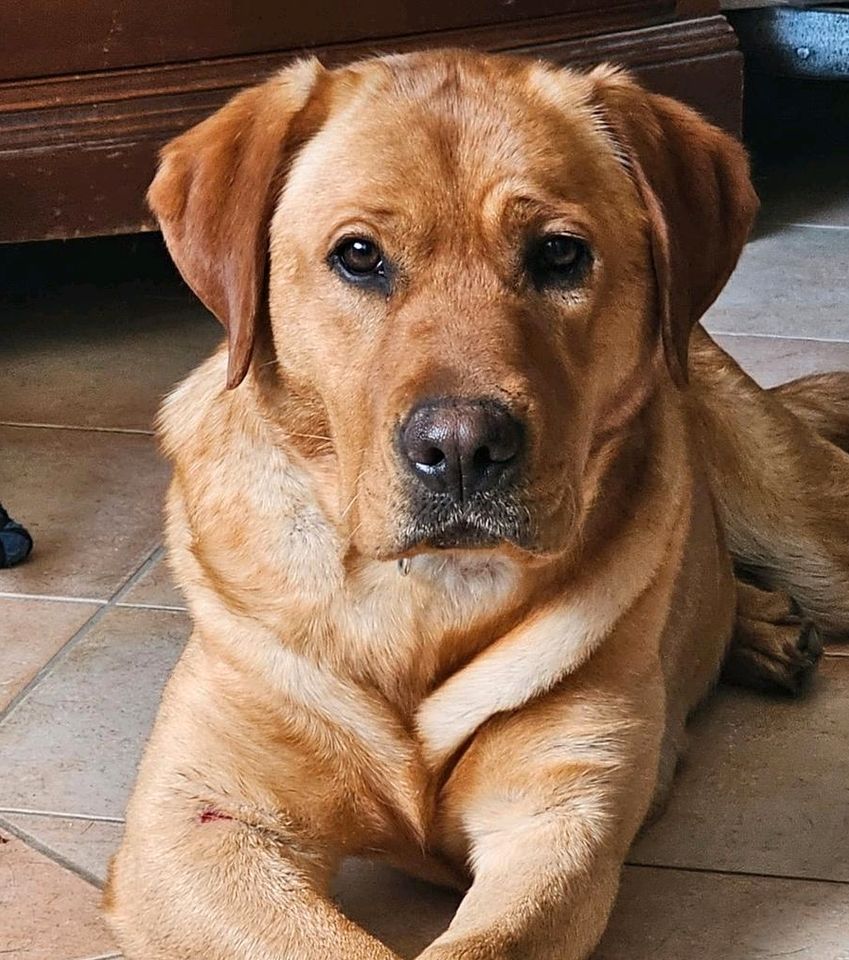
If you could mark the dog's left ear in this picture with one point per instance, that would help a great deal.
(214, 194)
(695, 185)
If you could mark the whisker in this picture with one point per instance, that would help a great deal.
(354, 531)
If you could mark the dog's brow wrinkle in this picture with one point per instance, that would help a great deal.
(355, 217)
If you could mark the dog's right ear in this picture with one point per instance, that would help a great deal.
(214, 195)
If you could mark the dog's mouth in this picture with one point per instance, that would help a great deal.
(480, 523)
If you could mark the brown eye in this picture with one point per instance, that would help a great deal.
(560, 252)
(359, 257)
(558, 259)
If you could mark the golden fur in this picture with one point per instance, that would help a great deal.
(502, 719)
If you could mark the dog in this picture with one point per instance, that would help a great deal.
(469, 511)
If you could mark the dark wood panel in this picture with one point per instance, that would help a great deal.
(96, 87)
(673, 41)
(158, 102)
(696, 8)
(80, 190)
(712, 84)
(696, 61)
(50, 37)
(76, 156)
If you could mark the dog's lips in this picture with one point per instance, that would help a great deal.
(439, 524)
(462, 534)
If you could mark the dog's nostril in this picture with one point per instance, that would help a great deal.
(482, 458)
(430, 457)
(494, 454)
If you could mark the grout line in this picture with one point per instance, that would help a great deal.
(57, 657)
(67, 426)
(51, 854)
(767, 222)
(156, 555)
(774, 336)
(57, 815)
(734, 873)
(74, 639)
(50, 598)
(166, 607)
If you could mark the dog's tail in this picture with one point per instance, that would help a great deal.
(821, 401)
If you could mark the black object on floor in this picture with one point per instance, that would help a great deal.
(15, 541)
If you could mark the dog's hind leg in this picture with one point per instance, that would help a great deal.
(781, 489)
(821, 401)
(774, 647)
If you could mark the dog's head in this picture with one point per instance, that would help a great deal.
(470, 272)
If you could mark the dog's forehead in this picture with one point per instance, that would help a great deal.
(397, 134)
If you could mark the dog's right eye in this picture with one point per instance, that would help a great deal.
(558, 260)
(359, 260)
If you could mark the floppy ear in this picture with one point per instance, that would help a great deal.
(214, 195)
(694, 181)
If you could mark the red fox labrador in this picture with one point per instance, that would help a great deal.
(470, 512)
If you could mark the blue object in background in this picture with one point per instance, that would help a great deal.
(15, 541)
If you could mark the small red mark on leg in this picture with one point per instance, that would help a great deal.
(210, 814)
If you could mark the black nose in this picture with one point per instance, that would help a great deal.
(461, 447)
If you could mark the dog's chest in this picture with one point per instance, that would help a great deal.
(402, 628)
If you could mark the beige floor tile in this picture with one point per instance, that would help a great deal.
(48, 913)
(156, 588)
(772, 360)
(92, 501)
(32, 632)
(765, 788)
(100, 356)
(672, 915)
(660, 915)
(86, 844)
(403, 913)
(72, 746)
(791, 282)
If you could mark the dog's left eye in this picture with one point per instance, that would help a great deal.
(358, 260)
(558, 259)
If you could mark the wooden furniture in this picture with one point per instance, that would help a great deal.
(90, 89)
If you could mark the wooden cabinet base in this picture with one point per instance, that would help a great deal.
(77, 152)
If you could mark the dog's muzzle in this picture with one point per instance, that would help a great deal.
(464, 461)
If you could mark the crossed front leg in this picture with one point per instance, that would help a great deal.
(237, 825)
(227, 886)
(544, 807)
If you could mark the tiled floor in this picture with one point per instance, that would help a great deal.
(750, 861)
